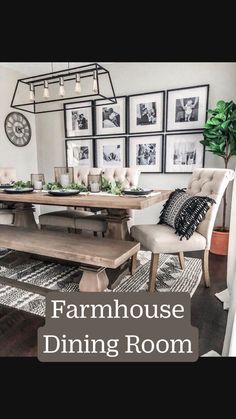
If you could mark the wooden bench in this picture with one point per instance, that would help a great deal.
(95, 254)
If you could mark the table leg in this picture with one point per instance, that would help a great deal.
(117, 227)
(24, 216)
(93, 279)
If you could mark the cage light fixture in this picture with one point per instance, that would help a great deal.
(85, 85)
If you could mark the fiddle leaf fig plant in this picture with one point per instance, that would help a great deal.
(220, 137)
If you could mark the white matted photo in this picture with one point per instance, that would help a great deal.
(111, 118)
(183, 152)
(145, 153)
(110, 152)
(187, 108)
(78, 119)
(146, 112)
(79, 153)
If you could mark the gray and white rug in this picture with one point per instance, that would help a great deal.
(64, 277)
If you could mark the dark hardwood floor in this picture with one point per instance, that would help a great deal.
(207, 311)
(18, 329)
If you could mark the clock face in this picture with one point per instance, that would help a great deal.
(18, 129)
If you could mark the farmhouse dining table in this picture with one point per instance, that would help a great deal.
(117, 207)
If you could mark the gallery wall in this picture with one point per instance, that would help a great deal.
(23, 159)
(132, 78)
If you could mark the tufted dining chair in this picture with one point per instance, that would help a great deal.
(86, 219)
(7, 175)
(161, 238)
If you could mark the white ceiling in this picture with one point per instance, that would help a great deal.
(33, 69)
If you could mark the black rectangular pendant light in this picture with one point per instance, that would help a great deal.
(49, 92)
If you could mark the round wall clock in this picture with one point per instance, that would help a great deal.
(18, 129)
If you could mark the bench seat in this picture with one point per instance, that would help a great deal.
(98, 252)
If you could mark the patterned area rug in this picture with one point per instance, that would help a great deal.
(64, 277)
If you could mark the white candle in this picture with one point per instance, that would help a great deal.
(38, 184)
(65, 180)
(94, 186)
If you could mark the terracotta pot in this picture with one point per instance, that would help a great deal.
(219, 242)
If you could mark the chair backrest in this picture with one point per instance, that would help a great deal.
(128, 177)
(7, 175)
(211, 183)
(81, 174)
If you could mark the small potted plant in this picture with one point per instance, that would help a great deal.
(220, 139)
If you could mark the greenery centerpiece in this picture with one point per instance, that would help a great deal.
(20, 184)
(72, 186)
(113, 187)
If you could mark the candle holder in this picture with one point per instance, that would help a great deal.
(37, 181)
(64, 175)
(95, 183)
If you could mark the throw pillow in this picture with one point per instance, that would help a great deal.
(184, 212)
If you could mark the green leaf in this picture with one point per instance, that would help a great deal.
(207, 126)
(233, 115)
(222, 146)
(221, 116)
(211, 111)
(213, 121)
(225, 124)
(204, 142)
(221, 105)
(210, 135)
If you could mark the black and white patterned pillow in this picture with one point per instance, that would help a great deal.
(185, 212)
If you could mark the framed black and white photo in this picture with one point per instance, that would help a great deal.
(111, 119)
(110, 152)
(78, 119)
(145, 153)
(187, 108)
(146, 112)
(79, 153)
(183, 152)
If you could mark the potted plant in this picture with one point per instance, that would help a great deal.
(220, 139)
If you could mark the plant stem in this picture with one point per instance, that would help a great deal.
(224, 200)
(224, 211)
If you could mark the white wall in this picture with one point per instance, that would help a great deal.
(24, 159)
(131, 78)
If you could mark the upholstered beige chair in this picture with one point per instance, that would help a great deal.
(84, 219)
(161, 238)
(7, 175)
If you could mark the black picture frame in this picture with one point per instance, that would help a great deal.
(162, 93)
(109, 140)
(81, 105)
(69, 163)
(196, 133)
(181, 127)
(98, 110)
(132, 138)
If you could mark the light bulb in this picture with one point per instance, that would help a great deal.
(95, 83)
(78, 84)
(46, 90)
(62, 88)
(31, 93)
